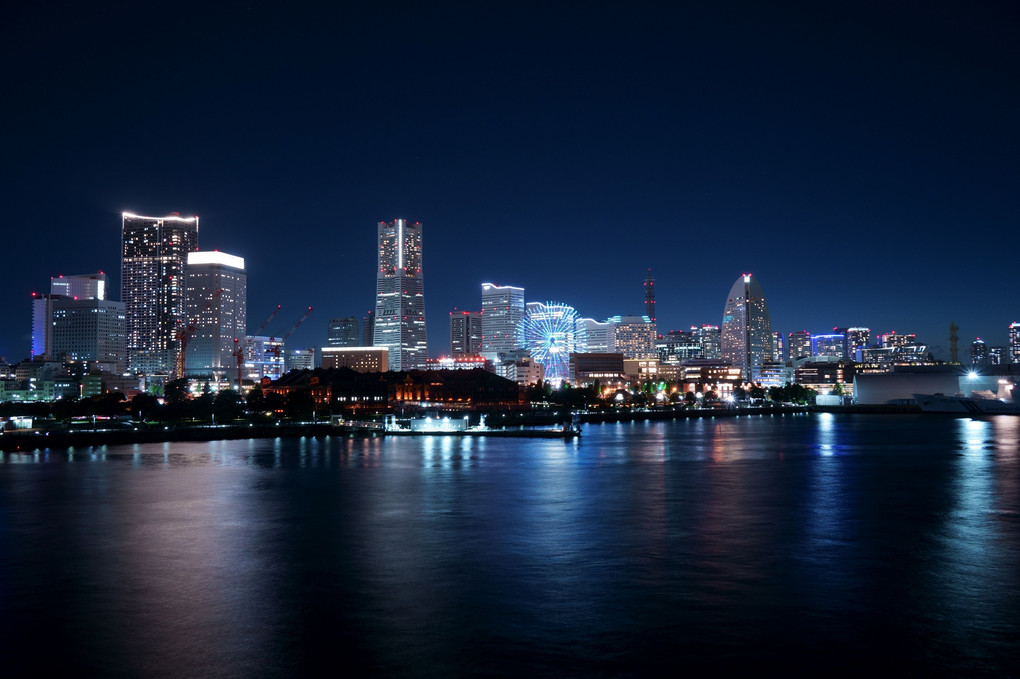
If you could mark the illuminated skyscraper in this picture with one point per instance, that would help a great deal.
(400, 296)
(218, 299)
(154, 255)
(800, 344)
(650, 296)
(465, 333)
(1014, 343)
(857, 340)
(978, 352)
(746, 337)
(828, 346)
(502, 309)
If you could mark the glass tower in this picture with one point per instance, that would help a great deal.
(746, 336)
(399, 296)
(154, 256)
(502, 310)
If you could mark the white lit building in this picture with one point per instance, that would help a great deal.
(502, 310)
(217, 298)
(601, 336)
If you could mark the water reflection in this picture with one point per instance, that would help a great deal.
(754, 537)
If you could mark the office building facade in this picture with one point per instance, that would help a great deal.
(154, 260)
(502, 310)
(358, 359)
(343, 332)
(635, 336)
(709, 336)
(400, 295)
(746, 336)
(465, 333)
(89, 331)
(218, 300)
(601, 336)
(82, 286)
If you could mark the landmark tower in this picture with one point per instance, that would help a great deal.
(746, 336)
(399, 296)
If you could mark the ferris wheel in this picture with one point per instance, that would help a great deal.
(551, 332)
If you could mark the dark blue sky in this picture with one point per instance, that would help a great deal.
(860, 159)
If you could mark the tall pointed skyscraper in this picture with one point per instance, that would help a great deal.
(650, 296)
(746, 337)
(154, 264)
(399, 296)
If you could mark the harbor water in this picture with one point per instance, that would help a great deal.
(800, 544)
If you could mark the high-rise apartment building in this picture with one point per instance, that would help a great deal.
(400, 296)
(218, 299)
(978, 352)
(857, 340)
(1014, 343)
(343, 332)
(502, 309)
(746, 336)
(998, 355)
(800, 345)
(465, 333)
(828, 346)
(154, 260)
(778, 347)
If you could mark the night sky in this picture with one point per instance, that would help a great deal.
(860, 159)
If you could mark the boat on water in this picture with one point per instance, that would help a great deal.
(963, 405)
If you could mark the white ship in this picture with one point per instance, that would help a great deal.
(962, 405)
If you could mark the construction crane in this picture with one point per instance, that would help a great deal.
(239, 354)
(268, 319)
(275, 349)
(184, 334)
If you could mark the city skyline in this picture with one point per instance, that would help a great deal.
(845, 157)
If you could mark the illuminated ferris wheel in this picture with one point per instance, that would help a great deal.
(551, 332)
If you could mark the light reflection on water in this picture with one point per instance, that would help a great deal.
(743, 540)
